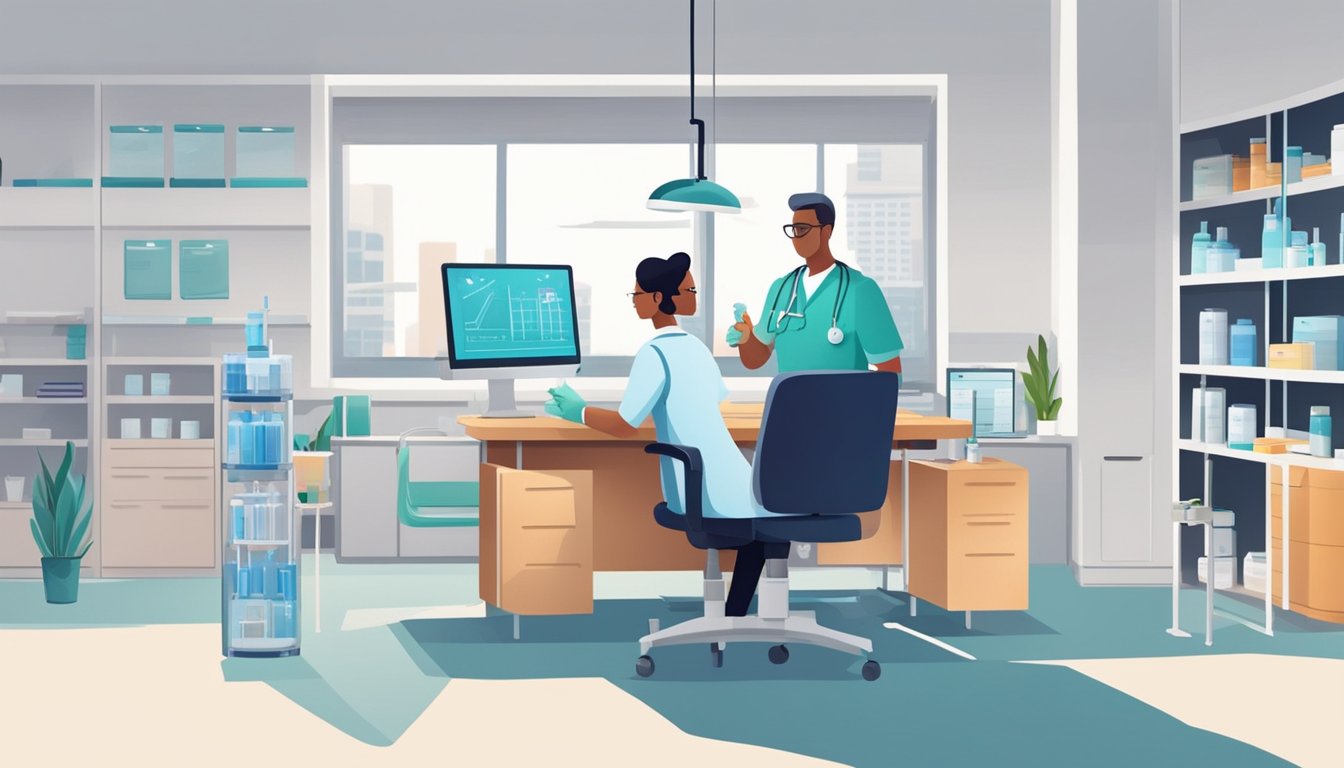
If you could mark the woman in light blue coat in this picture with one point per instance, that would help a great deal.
(675, 380)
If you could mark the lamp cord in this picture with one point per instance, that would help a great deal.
(699, 124)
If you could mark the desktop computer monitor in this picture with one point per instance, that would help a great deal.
(509, 321)
(986, 397)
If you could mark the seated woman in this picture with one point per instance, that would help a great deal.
(675, 379)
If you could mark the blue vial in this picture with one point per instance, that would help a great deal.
(1320, 441)
(1242, 340)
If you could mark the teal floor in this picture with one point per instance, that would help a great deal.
(373, 683)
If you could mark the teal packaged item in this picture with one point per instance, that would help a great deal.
(1242, 340)
(265, 157)
(1320, 441)
(198, 155)
(53, 182)
(1292, 166)
(203, 269)
(1212, 176)
(135, 156)
(1274, 238)
(1199, 249)
(1326, 334)
(148, 269)
(350, 415)
(1299, 251)
(1317, 248)
(1221, 255)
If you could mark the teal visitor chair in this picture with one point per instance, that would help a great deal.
(433, 504)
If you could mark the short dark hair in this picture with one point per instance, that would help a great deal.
(825, 213)
(664, 276)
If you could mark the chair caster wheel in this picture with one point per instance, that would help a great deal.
(778, 654)
(716, 654)
(871, 670)
(644, 666)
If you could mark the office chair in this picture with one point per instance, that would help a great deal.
(433, 504)
(822, 457)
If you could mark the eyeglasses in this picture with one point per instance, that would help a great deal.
(633, 294)
(795, 231)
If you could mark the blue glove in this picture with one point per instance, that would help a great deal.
(566, 404)
(734, 336)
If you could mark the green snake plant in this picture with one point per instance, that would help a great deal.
(1040, 382)
(61, 513)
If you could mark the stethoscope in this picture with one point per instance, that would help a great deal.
(782, 319)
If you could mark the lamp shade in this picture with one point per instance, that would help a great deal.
(694, 195)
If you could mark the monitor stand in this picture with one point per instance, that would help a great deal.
(501, 403)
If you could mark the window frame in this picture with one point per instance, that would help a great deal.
(340, 369)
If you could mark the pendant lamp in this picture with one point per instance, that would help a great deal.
(699, 193)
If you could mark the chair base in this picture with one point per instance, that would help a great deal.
(798, 627)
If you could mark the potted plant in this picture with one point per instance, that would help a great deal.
(310, 462)
(1040, 385)
(61, 518)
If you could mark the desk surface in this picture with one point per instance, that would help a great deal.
(743, 420)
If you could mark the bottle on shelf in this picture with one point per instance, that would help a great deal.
(1317, 248)
(1320, 440)
(1199, 249)
(1242, 341)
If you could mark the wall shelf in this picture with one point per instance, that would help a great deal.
(1278, 459)
(44, 401)
(170, 208)
(1263, 275)
(1263, 374)
(1306, 186)
(296, 321)
(48, 208)
(41, 362)
(159, 399)
(51, 443)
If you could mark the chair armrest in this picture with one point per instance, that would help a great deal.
(401, 440)
(695, 478)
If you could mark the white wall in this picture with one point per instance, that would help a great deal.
(1234, 53)
(997, 56)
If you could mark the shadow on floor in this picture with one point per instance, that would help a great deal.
(297, 681)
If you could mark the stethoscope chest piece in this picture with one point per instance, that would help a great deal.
(835, 335)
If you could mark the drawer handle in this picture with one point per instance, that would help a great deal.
(529, 489)
(130, 477)
(1122, 458)
(989, 514)
(551, 565)
(116, 505)
(185, 506)
(547, 527)
(991, 483)
(990, 554)
(988, 522)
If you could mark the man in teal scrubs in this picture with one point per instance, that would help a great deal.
(824, 315)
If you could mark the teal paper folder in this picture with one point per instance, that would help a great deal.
(203, 269)
(148, 269)
(53, 182)
(133, 182)
(276, 182)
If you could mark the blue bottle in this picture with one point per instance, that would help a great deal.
(1242, 341)
(1292, 165)
(1199, 249)
(1320, 440)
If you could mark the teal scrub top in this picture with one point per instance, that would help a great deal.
(801, 343)
(675, 379)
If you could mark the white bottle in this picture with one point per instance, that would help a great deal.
(1208, 415)
(972, 451)
(1337, 150)
(1213, 340)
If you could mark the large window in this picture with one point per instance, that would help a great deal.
(540, 182)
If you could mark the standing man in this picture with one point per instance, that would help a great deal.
(824, 315)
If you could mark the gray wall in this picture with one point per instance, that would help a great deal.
(997, 56)
(1126, 205)
(1233, 52)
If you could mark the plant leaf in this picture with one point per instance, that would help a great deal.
(1043, 356)
(43, 523)
(85, 550)
(37, 537)
(48, 489)
(1054, 408)
(67, 461)
(80, 518)
(323, 440)
(1053, 381)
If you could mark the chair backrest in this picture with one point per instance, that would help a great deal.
(825, 442)
(404, 512)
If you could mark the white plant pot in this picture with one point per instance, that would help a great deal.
(14, 488)
(1048, 428)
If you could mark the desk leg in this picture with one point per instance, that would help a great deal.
(1175, 628)
(518, 455)
(317, 571)
(905, 529)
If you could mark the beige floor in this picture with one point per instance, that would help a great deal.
(1290, 706)
(156, 695)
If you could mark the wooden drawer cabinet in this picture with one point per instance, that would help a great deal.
(1316, 541)
(969, 534)
(17, 548)
(151, 453)
(145, 484)
(159, 534)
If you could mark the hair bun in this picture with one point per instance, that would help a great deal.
(680, 260)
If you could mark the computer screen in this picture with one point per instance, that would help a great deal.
(986, 397)
(510, 315)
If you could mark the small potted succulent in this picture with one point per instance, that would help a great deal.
(61, 518)
(310, 463)
(1040, 383)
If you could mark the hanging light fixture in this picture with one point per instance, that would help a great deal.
(699, 193)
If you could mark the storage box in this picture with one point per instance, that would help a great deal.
(130, 429)
(1212, 176)
(135, 384)
(1299, 501)
(1224, 542)
(198, 155)
(36, 433)
(1224, 571)
(1294, 356)
(1319, 169)
(160, 384)
(265, 156)
(1224, 518)
(160, 429)
(135, 156)
(1325, 490)
(1326, 332)
(1241, 173)
(1275, 444)
(1254, 571)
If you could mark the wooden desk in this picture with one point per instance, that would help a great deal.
(626, 484)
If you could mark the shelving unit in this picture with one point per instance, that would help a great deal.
(1272, 297)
